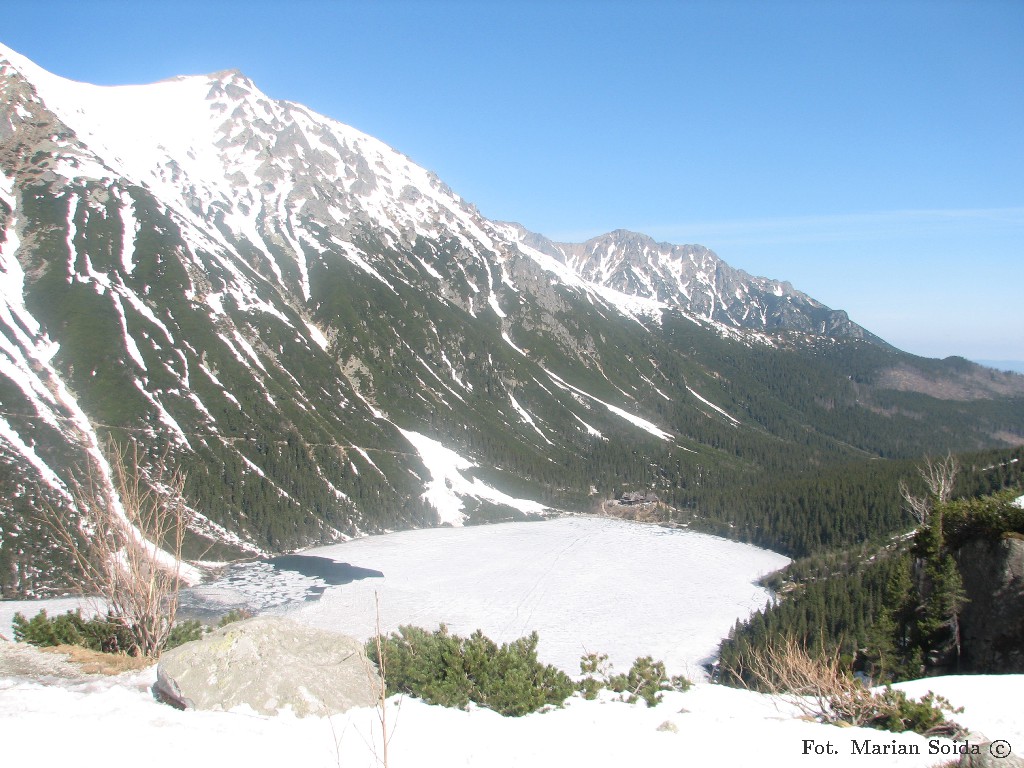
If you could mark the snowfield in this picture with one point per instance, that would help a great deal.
(92, 723)
(585, 584)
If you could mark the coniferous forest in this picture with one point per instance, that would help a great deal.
(890, 608)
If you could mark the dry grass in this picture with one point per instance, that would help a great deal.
(822, 690)
(817, 686)
(97, 663)
(382, 686)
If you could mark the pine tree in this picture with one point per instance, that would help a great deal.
(882, 653)
(940, 625)
(943, 595)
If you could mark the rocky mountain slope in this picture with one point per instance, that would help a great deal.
(330, 341)
(694, 281)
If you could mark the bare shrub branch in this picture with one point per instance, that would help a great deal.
(812, 684)
(128, 543)
(919, 506)
(939, 476)
(377, 676)
(821, 689)
(382, 705)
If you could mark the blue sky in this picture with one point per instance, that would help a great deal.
(871, 153)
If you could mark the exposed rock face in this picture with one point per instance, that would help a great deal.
(269, 664)
(992, 623)
(695, 280)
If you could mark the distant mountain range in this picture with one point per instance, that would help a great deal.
(330, 341)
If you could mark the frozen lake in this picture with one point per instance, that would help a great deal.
(585, 584)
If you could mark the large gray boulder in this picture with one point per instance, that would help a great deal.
(269, 664)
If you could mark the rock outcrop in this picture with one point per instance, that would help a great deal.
(992, 622)
(269, 664)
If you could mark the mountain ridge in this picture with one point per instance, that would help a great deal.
(332, 342)
(235, 86)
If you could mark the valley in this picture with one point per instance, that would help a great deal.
(328, 342)
(375, 407)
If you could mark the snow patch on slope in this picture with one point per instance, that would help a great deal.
(447, 484)
(632, 418)
(714, 407)
(527, 418)
(318, 336)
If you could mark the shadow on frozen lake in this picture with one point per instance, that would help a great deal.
(331, 572)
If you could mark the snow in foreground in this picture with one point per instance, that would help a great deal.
(97, 722)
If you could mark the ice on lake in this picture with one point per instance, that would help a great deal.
(584, 584)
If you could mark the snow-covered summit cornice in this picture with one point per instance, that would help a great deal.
(206, 141)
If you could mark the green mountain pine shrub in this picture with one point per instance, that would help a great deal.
(646, 679)
(97, 634)
(185, 632)
(105, 634)
(442, 668)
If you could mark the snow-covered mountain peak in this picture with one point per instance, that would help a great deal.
(217, 149)
(695, 281)
(232, 77)
(293, 305)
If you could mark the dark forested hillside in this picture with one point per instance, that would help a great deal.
(890, 609)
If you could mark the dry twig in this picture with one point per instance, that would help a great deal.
(939, 476)
(127, 546)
